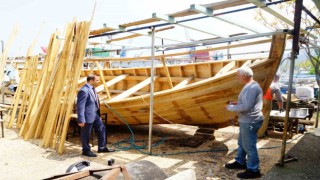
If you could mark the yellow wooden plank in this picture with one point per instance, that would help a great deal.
(132, 90)
(112, 82)
(226, 68)
(167, 72)
(103, 81)
(183, 83)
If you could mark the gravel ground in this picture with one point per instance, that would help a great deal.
(26, 160)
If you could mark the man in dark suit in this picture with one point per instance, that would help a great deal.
(88, 109)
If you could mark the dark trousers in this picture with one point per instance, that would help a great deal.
(100, 129)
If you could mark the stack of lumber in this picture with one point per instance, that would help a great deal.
(47, 97)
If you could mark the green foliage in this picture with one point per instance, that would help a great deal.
(312, 71)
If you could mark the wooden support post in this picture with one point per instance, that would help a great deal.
(167, 72)
(103, 80)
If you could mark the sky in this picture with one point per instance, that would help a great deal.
(43, 17)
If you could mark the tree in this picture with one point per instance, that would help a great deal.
(311, 47)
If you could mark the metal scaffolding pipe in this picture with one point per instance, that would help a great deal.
(294, 53)
(186, 20)
(151, 92)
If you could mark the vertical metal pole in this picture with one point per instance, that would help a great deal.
(151, 93)
(294, 53)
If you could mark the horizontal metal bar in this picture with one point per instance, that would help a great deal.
(186, 20)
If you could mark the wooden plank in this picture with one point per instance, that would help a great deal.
(111, 175)
(136, 23)
(213, 6)
(180, 71)
(125, 172)
(112, 82)
(132, 90)
(138, 35)
(225, 4)
(195, 74)
(276, 53)
(225, 69)
(82, 80)
(12, 114)
(102, 30)
(247, 63)
(62, 73)
(121, 91)
(103, 81)
(77, 175)
(146, 72)
(167, 72)
(183, 83)
(83, 35)
(210, 69)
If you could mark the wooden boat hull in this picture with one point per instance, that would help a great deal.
(201, 102)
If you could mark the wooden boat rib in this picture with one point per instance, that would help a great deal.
(197, 96)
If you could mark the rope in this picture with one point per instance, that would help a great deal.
(132, 142)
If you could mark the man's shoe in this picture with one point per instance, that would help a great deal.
(89, 154)
(235, 165)
(105, 150)
(249, 174)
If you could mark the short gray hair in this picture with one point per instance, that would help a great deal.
(245, 71)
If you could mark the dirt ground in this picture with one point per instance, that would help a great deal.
(26, 160)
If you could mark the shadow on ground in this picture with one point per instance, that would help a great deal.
(307, 151)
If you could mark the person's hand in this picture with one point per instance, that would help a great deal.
(232, 103)
(81, 124)
(281, 110)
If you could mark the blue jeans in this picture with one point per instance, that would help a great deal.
(247, 142)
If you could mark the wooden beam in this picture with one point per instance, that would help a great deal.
(210, 69)
(247, 63)
(225, 4)
(112, 82)
(171, 20)
(167, 72)
(132, 90)
(183, 83)
(103, 81)
(146, 71)
(136, 23)
(195, 71)
(121, 91)
(102, 30)
(226, 68)
(213, 6)
(112, 174)
(180, 71)
(82, 80)
(138, 35)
